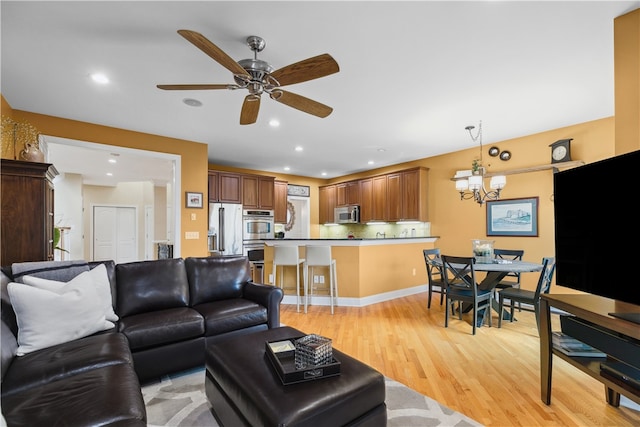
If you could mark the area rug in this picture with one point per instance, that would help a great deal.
(180, 400)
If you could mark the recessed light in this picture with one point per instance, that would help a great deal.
(109, 174)
(274, 123)
(370, 162)
(381, 150)
(287, 168)
(192, 102)
(323, 174)
(100, 78)
(298, 148)
(113, 161)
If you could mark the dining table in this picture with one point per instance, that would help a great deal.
(495, 272)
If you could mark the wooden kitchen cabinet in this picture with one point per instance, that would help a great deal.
(27, 211)
(225, 187)
(366, 199)
(414, 195)
(258, 192)
(348, 193)
(379, 198)
(280, 202)
(327, 203)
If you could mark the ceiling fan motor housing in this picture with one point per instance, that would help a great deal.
(257, 69)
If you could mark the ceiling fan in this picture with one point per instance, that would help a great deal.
(259, 77)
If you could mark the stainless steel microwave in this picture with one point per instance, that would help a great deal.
(347, 214)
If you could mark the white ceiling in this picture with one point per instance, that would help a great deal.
(412, 74)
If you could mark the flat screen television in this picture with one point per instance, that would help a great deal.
(597, 228)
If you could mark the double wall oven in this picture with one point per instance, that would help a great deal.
(257, 225)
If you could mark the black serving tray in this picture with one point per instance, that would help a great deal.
(285, 366)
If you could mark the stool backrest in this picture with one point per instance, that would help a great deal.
(286, 255)
(318, 255)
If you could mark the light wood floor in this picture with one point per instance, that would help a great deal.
(492, 377)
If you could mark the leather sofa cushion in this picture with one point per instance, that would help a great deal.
(65, 360)
(147, 286)
(72, 401)
(161, 327)
(231, 315)
(216, 278)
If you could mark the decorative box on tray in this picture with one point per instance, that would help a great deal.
(303, 359)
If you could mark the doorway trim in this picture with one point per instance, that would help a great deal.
(175, 182)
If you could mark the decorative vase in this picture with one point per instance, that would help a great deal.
(483, 250)
(32, 153)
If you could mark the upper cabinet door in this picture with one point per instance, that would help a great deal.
(225, 187)
(257, 192)
(280, 202)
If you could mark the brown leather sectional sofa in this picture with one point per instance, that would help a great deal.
(168, 311)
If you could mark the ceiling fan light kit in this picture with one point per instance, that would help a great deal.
(258, 77)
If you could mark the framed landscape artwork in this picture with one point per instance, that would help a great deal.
(512, 217)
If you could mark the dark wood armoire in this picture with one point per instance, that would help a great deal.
(26, 193)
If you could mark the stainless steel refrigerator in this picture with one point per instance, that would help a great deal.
(225, 229)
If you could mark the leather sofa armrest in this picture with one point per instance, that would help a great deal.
(268, 296)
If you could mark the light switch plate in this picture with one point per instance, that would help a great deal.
(192, 235)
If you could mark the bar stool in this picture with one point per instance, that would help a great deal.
(320, 256)
(288, 256)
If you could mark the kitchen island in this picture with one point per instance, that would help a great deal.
(369, 270)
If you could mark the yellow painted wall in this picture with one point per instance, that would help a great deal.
(627, 83)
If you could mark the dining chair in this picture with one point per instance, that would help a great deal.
(288, 256)
(320, 256)
(527, 296)
(511, 280)
(460, 285)
(434, 274)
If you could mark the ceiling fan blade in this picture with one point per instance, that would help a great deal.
(250, 108)
(202, 43)
(194, 87)
(308, 69)
(301, 103)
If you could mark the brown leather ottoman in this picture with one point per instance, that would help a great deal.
(244, 389)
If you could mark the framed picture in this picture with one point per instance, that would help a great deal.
(298, 190)
(512, 217)
(193, 200)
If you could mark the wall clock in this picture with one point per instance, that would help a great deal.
(561, 151)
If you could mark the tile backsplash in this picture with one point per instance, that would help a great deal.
(364, 231)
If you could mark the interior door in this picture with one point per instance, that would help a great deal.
(114, 234)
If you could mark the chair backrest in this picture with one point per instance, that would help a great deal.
(510, 254)
(546, 275)
(459, 273)
(318, 255)
(286, 255)
(434, 271)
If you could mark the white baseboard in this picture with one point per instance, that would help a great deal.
(325, 300)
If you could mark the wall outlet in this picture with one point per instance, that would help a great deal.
(192, 235)
(193, 217)
(316, 279)
(271, 278)
(321, 279)
(414, 271)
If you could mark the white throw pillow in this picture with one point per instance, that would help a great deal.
(46, 318)
(99, 280)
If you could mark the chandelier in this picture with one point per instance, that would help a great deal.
(470, 183)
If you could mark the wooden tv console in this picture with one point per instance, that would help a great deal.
(619, 339)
